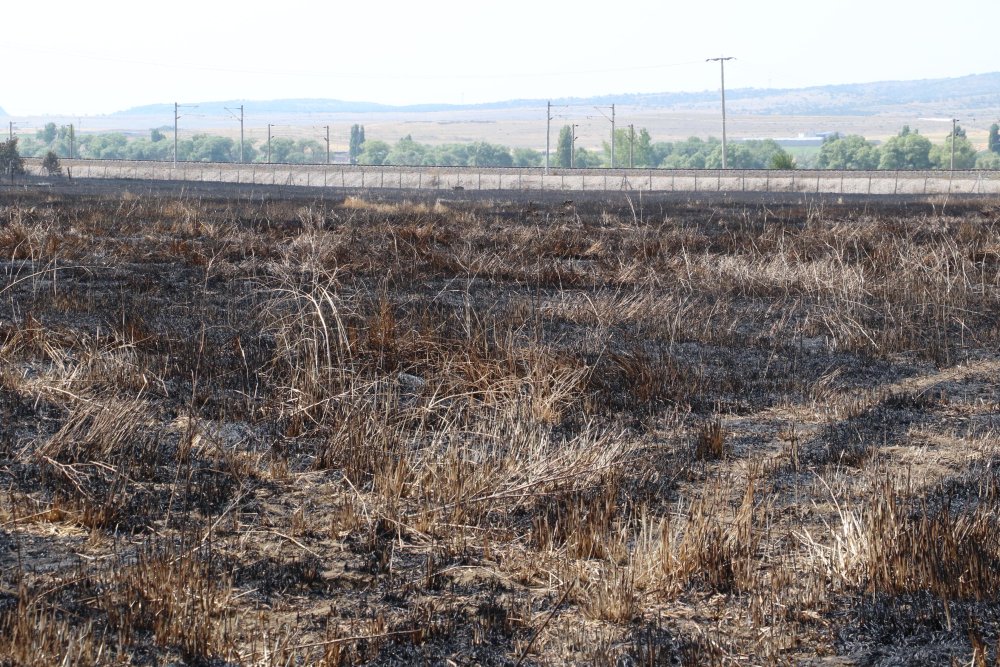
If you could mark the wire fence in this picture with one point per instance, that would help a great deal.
(494, 179)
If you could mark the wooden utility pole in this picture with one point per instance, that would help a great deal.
(572, 148)
(612, 136)
(241, 135)
(722, 68)
(954, 129)
(631, 146)
(176, 118)
(548, 132)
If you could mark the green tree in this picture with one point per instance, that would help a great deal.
(907, 150)
(585, 159)
(988, 160)
(408, 152)
(564, 147)
(51, 164)
(850, 152)
(48, 134)
(210, 148)
(110, 146)
(448, 155)
(993, 141)
(752, 154)
(782, 159)
(374, 152)
(646, 153)
(155, 135)
(357, 142)
(483, 154)
(965, 153)
(281, 149)
(638, 143)
(691, 154)
(621, 148)
(11, 162)
(527, 157)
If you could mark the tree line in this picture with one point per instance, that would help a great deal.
(907, 150)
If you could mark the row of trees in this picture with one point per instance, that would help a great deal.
(908, 150)
(639, 150)
(197, 148)
(406, 151)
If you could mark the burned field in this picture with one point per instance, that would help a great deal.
(330, 432)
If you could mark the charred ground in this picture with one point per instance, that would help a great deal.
(283, 430)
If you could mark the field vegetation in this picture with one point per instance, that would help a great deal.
(908, 150)
(630, 432)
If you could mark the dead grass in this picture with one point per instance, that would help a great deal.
(279, 432)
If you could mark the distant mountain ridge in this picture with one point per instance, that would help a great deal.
(972, 94)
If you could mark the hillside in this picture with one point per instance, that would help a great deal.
(977, 94)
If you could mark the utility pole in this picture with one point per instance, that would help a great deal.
(269, 126)
(548, 132)
(572, 148)
(722, 68)
(176, 118)
(241, 128)
(954, 129)
(612, 136)
(631, 145)
(328, 144)
(10, 130)
(72, 140)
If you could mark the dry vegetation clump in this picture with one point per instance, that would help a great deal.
(284, 431)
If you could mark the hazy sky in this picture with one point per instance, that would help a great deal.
(99, 56)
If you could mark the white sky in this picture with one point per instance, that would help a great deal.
(99, 56)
